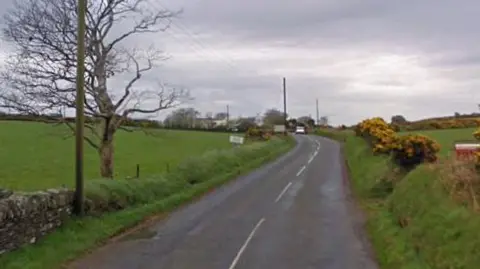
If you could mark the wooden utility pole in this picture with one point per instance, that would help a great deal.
(318, 120)
(285, 104)
(79, 119)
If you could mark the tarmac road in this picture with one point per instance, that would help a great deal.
(294, 213)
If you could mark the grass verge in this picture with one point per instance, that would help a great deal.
(87, 233)
(337, 135)
(417, 224)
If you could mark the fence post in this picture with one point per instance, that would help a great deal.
(138, 171)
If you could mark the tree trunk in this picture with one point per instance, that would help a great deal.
(106, 159)
(106, 150)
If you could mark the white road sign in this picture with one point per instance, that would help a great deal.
(234, 139)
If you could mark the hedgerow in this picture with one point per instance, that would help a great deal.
(440, 124)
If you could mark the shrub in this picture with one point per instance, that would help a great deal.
(366, 127)
(412, 150)
(395, 127)
(408, 151)
(257, 134)
(476, 134)
(378, 134)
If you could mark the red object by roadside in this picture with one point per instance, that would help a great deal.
(466, 151)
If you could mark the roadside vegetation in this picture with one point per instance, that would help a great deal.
(422, 204)
(115, 205)
(335, 134)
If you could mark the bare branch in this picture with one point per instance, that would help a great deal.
(125, 129)
(39, 76)
(150, 57)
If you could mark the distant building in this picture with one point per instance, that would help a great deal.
(220, 122)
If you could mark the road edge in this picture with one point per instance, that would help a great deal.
(360, 217)
(358, 213)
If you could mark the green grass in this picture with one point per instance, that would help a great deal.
(84, 234)
(338, 135)
(36, 155)
(447, 137)
(392, 248)
(439, 232)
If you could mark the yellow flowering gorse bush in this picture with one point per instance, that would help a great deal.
(254, 133)
(408, 151)
(414, 149)
(476, 134)
(378, 133)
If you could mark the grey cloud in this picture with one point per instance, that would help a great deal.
(456, 59)
(213, 44)
(424, 22)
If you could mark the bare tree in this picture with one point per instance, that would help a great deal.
(40, 75)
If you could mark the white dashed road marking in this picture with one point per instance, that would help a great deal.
(301, 170)
(244, 246)
(283, 192)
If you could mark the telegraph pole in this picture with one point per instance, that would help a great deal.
(285, 104)
(318, 120)
(79, 119)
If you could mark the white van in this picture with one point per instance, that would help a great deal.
(300, 130)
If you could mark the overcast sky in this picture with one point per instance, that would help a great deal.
(360, 58)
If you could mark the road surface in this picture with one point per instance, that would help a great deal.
(294, 213)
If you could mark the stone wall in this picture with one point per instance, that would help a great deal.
(25, 217)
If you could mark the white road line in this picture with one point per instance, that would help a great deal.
(313, 156)
(242, 249)
(301, 170)
(283, 192)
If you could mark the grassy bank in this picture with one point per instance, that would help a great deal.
(418, 224)
(84, 234)
(338, 135)
(37, 156)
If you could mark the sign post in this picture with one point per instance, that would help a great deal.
(236, 140)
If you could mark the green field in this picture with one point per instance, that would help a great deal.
(447, 137)
(38, 156)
